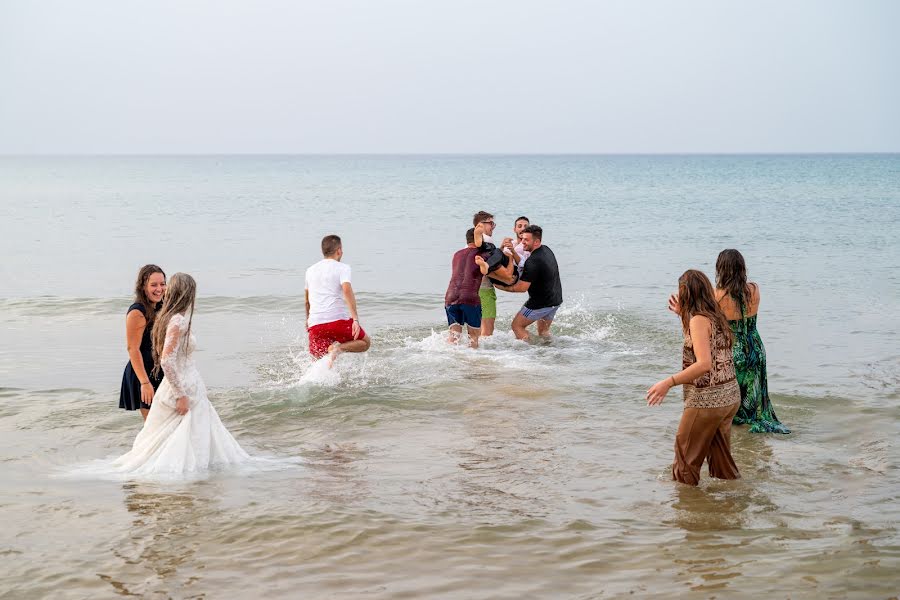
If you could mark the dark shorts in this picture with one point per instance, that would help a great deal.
(323, 335)
(464, 314)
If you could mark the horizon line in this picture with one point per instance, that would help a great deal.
(429, 154)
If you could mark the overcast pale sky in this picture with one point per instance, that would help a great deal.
(391, 76)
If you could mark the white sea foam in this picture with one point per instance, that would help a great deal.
(322, 372)
(400, 357)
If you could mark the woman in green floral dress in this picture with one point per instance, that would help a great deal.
(739, 300)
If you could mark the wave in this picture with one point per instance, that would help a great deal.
(81, 306)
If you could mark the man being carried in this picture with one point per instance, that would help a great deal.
(462, 302)
(513, 246)
(540, 279)
(331, 317)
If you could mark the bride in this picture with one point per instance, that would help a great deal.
(183, 432)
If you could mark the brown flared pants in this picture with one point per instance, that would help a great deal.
(704, 434)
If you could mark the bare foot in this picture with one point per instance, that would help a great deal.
(333, 351)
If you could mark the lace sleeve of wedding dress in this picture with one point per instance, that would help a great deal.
(169, 358)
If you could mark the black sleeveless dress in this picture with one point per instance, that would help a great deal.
(130, 396)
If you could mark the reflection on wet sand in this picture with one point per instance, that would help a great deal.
(333, 476)
(159, 552)
(720, 505)
(512, 454)
(718, 518)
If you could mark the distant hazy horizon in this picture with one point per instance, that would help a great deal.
(425, 154)
(402, 77)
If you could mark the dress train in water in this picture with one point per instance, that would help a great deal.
(173, 444)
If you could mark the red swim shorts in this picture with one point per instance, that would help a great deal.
(323, 335)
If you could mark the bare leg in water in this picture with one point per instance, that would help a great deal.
(456, 333)
(520, 326)
(352, 346)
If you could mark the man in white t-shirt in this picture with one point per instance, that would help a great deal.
(331, 317)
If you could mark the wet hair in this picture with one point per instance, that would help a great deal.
(697, 298)
(535, 231)
(481, 216)
(522, 219)
(180, 295)
(470, 236)
(140, 293)
(330, 245)
(731, 276)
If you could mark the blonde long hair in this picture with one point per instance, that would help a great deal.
(180, 295)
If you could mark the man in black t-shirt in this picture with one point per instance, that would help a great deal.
(540, 279)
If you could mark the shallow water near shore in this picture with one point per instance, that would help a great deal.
(422, 469)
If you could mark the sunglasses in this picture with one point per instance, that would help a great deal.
(491, 223)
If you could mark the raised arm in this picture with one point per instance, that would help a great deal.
(675, 304)
(511, 250)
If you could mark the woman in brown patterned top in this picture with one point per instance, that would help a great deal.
(711, 392)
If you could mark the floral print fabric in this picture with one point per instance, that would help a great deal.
(750, 367)
(718, 387)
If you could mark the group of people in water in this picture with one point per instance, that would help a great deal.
(723, 358)
(521, 264)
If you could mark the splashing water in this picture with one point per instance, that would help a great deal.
(422, 356)
(321, 372)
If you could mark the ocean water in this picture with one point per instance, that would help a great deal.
(425, 470)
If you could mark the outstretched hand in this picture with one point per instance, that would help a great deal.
(674, 304)
(657, 393)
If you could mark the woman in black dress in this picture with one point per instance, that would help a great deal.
(138, 382)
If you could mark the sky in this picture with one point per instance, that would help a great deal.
(397, 76)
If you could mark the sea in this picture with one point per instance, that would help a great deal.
(426, 470)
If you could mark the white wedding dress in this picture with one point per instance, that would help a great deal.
(173, 444)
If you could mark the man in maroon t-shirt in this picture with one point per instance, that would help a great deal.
(461, 302)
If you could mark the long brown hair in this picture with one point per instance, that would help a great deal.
(697, 297)
(180, 295)
(731, 276)
(140, 294)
